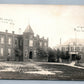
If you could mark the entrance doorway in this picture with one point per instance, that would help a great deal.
(30, 55)
(73, 57)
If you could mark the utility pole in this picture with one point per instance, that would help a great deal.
(60, 43)
(75, 38)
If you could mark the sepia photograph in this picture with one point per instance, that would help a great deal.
(41, 42)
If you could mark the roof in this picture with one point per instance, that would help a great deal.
(28, 29)
(73, 41)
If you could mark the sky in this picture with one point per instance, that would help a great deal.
(51, 21)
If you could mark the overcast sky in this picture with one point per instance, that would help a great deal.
(52, 21)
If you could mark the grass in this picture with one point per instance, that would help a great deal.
(68, 73)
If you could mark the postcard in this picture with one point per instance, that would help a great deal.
(41, 42)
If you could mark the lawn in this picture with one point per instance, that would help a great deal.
(69, 73)
(39, 71)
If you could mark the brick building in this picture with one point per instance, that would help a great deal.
(27, 43)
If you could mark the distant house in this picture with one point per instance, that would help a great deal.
(26, 42)
(74, 47)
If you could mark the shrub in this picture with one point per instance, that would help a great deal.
(78, 57)
(41, 53)
(51, 55)
(18, 54)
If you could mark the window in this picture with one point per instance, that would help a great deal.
(26, 42)
(20, 42)
(67, 48)
(40, 43)
(1, 51)
(9, 52)
(63, 48)
(26, 53)
(2, 40)
(77, 48)
(31, 43)
(72, 48)
(9, 41)
(45, 44)
(15, 41)
(35, 52)
(31, 36)
(80, 48)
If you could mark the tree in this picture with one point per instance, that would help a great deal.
(67, 55)
(19, 49)
(62, 54)
(51, 55)
(78, 57)
(18, 54)
(58, 54)
(41, 53)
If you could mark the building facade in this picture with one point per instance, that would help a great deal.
(74, 47)
(27, 43)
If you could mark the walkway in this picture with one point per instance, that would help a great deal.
(72, 64)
